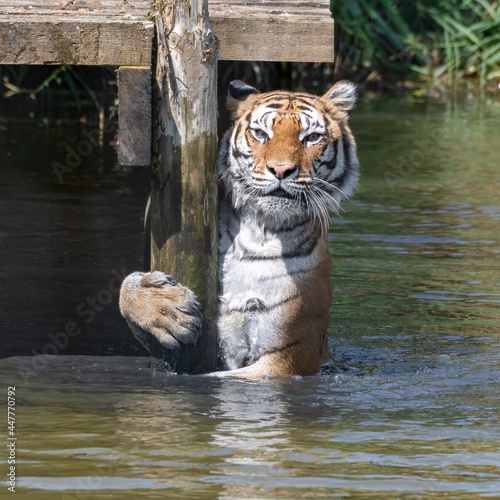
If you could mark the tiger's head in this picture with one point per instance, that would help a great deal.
(289, 155)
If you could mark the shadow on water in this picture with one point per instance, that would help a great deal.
(408, 408)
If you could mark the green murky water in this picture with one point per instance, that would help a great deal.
(411, 408)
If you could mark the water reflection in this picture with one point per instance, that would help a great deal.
(110, 425)
(252, 419)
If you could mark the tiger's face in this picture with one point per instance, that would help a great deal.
(289, 154)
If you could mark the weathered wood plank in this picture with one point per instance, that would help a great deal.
(134, 116)
(256, 30)
(115, 32)
(95, 42)
(80, 32)
(275, 39)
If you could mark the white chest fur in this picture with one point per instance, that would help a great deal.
(261, 275)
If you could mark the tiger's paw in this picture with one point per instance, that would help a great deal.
(154, 304)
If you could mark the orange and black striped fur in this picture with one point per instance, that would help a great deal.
(287, 162)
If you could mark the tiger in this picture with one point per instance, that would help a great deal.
(286, 164)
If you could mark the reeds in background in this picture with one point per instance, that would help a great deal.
(435, 41)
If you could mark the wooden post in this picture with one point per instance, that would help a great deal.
(184, 165)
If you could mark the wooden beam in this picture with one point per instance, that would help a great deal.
(95, 42)
(256, 30)
(120, 33)
(184, 165)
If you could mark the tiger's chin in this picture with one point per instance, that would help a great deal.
(280, 193)
(277, 210)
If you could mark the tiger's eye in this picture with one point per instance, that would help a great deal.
(259, 134)
(313, 138)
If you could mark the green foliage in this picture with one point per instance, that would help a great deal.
(36, 82)
(436, 39)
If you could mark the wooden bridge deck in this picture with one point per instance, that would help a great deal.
(120, 32)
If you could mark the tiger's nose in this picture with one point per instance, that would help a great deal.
(280, 170)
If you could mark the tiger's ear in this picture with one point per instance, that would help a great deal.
(343, 95)
(237, 93)
(240, 90)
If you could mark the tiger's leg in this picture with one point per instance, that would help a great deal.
(291, 360)
(164, 316)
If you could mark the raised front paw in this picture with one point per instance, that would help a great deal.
(155, 304)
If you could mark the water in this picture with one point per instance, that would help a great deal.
(408, 409)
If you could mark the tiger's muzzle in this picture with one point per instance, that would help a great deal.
(281, 170)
